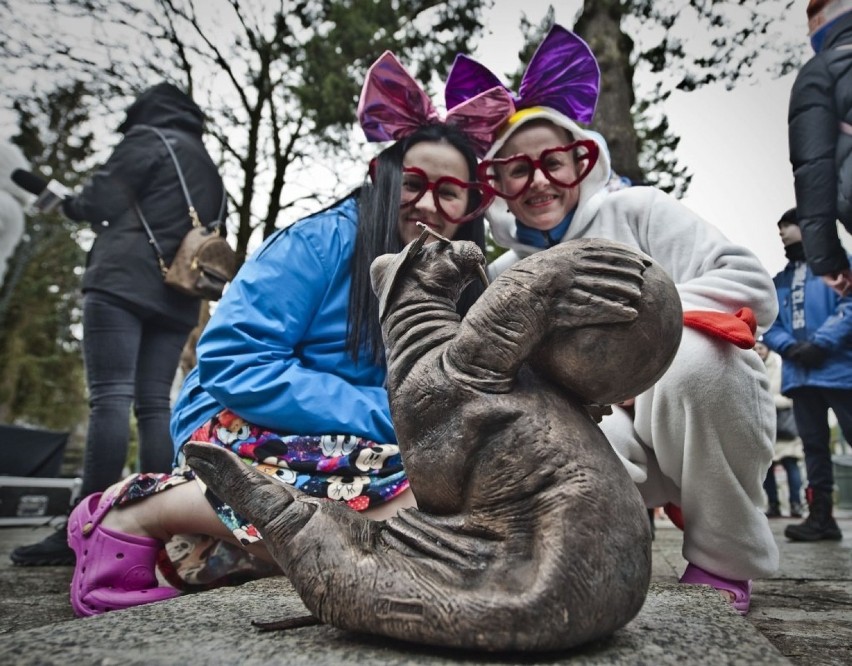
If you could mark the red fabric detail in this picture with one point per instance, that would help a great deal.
(168, 571)
(359, 503)
(737, 328)
(675, 515)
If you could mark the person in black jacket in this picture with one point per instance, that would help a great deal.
(134, 326)
(820, 136)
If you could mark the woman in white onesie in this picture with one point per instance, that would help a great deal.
(701, 438)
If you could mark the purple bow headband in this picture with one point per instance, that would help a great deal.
(393, 106)
(562, 75)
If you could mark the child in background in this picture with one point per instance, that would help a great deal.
(788, 444)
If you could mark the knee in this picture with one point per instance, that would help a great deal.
(151, 406)
(111, 397)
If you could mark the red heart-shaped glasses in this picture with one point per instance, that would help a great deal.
(456, 200)
(564, 166)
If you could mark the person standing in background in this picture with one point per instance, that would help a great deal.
(813, 334)
(788, 444)
(134, 325)
(820, 137)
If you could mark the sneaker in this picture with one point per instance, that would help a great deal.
(774, 511)
(53, 550)
(795, 510)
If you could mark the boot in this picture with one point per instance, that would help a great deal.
(795, 510)
(819, 524)
(53, 550)
(774, 510)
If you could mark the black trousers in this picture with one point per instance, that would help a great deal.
(131, 358)
(810, 405)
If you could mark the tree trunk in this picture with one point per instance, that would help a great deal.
(600, 26)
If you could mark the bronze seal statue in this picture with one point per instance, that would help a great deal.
(529, 534)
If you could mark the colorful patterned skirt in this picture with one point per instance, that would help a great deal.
(341, 468)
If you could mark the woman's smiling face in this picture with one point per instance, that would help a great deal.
(435, 159)
(544, 205)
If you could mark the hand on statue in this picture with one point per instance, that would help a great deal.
(604, 288)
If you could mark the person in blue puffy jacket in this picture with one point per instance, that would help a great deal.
(290, 377)
(813, 334)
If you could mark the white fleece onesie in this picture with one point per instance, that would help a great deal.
(702, 436)
(12, 202)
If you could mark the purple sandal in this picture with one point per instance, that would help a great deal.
(741, 589)
(114, 570)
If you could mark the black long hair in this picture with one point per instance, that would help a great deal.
(378, 234)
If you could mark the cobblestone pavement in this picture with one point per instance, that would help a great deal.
(803, 613)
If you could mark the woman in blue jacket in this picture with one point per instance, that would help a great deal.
(290, 369)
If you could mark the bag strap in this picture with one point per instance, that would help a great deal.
(193, 214)
(153, 241)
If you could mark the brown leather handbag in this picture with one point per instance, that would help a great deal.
(204, 262)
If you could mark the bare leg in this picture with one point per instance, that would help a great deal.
(183, 509)
(179, 510)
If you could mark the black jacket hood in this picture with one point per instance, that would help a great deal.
(164, 105)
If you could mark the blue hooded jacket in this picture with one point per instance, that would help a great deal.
(274, 351)
(828, 323)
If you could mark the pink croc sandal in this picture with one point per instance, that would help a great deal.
(741, 589)
(114, 570)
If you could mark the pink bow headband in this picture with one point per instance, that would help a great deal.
(393, 106)
(562, 75)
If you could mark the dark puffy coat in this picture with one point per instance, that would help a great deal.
(122, 262)
(820, 151)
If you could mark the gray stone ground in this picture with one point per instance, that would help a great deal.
(802, 615)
